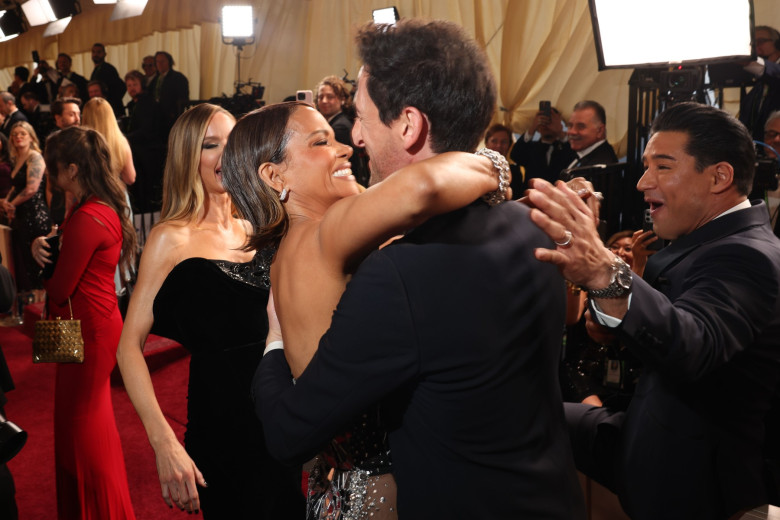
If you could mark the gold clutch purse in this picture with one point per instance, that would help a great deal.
(58, 340)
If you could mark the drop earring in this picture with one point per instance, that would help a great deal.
(284, 195)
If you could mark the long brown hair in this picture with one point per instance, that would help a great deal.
(259, 137)
(182, 187)
(87, 149)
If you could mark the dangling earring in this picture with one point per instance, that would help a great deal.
(284, 195)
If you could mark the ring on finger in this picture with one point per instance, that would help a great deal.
(566, 242)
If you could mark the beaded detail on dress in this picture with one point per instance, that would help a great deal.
(352, 479)
(256, 272)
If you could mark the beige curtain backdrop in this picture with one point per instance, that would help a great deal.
(538, 49)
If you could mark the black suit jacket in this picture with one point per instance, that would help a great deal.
(752, 111)
(11, 120)
(107, 73)
(80, 82)
(709, 337)
(174, 94)
(532, 155)
(457, 328)
(602, 154)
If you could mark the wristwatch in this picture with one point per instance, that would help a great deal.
(619, 282)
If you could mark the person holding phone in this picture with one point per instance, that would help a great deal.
(543, 156)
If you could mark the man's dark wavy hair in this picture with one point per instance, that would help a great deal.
(713, 136)
(435, 67)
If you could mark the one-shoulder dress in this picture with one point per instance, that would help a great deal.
(216, 310)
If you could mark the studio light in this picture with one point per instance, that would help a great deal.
(57, 27)
(689, 32)
(39, 12)
(128, 9)
(11, 25)
(386, 15)
(237, 25)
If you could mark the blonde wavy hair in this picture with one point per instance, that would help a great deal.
(182, 187)
(99, 115)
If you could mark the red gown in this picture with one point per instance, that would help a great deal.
(91, 475)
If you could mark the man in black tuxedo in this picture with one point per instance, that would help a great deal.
(455, 329)
(170, 88)
(10, 111)
(545, 158)
(705, 321)
(107, 74)
(764, 97)
(67, 76)
(587, 133)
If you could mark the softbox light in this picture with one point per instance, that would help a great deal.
(237, 24)
(128, 9)
(640, 34)
(11, 25)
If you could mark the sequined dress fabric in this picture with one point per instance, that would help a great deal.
(352, 479)
(216, 310)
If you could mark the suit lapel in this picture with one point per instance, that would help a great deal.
(713, 230)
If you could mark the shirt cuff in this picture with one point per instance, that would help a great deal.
(605, 319)
(756, 67)
(274, 345)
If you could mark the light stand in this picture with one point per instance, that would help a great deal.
(237, 30)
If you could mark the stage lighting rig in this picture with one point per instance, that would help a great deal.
(57, 13)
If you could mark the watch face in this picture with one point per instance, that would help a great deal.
(623, 275)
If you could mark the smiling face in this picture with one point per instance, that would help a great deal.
(317, 170)
(328, 103)
(214, 141)
(585, 129)
(679, 195)
(622, 248)
(499, 142)
(386, 152)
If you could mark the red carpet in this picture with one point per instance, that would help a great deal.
(30, 406)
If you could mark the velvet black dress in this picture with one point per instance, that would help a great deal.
(216, 310)
(31, 220)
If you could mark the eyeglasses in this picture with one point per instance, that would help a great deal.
(770, 135)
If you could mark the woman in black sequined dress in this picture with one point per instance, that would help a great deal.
(309, 204)
(198, 286)
(25, 204)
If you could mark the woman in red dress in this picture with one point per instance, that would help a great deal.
(96, 236)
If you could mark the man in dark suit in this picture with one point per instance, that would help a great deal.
(454, 328)
(764, 97)
(170, 88)
(587, 133)
(545, 158)
(67, 76)
(107, 74)
(705, 322)
(10, 112)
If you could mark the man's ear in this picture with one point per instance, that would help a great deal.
(722, 177)
(270, 174)
(413, 128)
